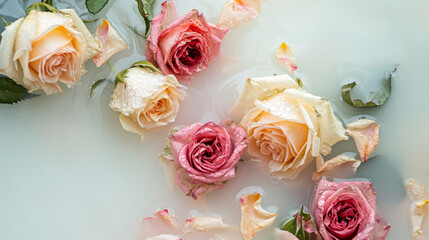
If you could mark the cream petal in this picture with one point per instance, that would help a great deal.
(334, 163)
(331, 129)
(130, 124)
(283, 235)
(419, 196)
(260, 89)
(253, 217)
(50, 42)
(8, 65)
(212, 228)
(282, 107)
(286, 56)
(296, 133)
(164, 237)
(365, 134)
(111, 42)
(160, 223)
(236, 12)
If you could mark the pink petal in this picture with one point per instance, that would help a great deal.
(111, 42)
(286, 56)
(365, 134)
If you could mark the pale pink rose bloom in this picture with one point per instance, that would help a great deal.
(347, 210)
(182, 46)
(207, 155)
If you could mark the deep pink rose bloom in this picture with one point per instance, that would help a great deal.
(208, 153)
(182, 46)
(347, 210)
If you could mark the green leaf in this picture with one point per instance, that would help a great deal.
(11, 92)
(49, 2)
(290, 225)
(145, 8)
(147, 65)
(4, 21)
(377, 99)
(90, 20)
(120, 77)
(299, 81)
(95, 6)
(41, 7)
(94, 86)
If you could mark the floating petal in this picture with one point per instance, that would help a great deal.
(332, 164)
(111, 42)
(286, 56)
(365, 134)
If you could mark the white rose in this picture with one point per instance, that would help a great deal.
(285, 125)
(146, 98)
(46, 48)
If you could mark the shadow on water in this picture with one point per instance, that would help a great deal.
(386, 177)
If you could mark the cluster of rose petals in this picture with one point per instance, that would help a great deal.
(236, 12)
(147, 100)
(347, 210)
(46, 48)
(182, 46)
(253, 217)
(208, 154)
(163, 226)
(286, 126)
(365, 134)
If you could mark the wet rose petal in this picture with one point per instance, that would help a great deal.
(334, 163)
(365, 134)
(236, 12)
(111, 42)
(214, 228)
(286, 56)
(283, 235)
(420, 198)
(253, 217)
(164, 237)
(162, 225)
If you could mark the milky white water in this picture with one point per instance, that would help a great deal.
(69, 171)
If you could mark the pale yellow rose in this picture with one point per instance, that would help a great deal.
(285, 125)
(146, 98)
(46, 48)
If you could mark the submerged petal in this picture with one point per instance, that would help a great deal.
(253, 217)
(160, 224)
(332, 164)
(365, 134)
(236, 12)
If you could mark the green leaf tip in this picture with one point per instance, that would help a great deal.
(377, 99)
(95, 6)
(147, 65)
(94, 86)
(11, 92)
(295, 224)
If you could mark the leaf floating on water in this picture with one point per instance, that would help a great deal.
(378, 98)
(11, 92)
(94, 86)
(297, 227)
(95, 6)
(145, 8)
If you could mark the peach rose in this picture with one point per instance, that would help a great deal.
(145, 98)
(46, 48)
(285, 125)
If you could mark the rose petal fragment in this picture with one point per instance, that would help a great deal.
(161, 226)
(253, 217)
(214, 228)
(286, 56)
(111, 42)
(236, 12)
(332, 164)
(283, 235)
(365, 134)
(418, 195)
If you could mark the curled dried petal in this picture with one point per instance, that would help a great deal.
(253, 217)
(332, 164)
(418, 195)
(286, 56)
(209, 228)
(365, 134)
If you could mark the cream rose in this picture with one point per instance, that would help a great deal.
(46, 48)
(146, 98)
(285, 125)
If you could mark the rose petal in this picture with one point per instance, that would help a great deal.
(164, 237)
(334, 163)
(286, 56)
(283, 235)
(159, 224)
(259, 89)
(253, 217)
(418, 195)
(111, 42)
(365, 134)
(236, 12)
(330, 129)
(214, 228)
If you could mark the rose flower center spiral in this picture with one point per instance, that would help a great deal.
(190, 54)
(343, 219)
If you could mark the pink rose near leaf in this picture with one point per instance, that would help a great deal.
(347, 210)
(201, 157)
(182, 46)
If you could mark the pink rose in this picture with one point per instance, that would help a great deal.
(207, 155)
(347, 210)
(182, 46)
